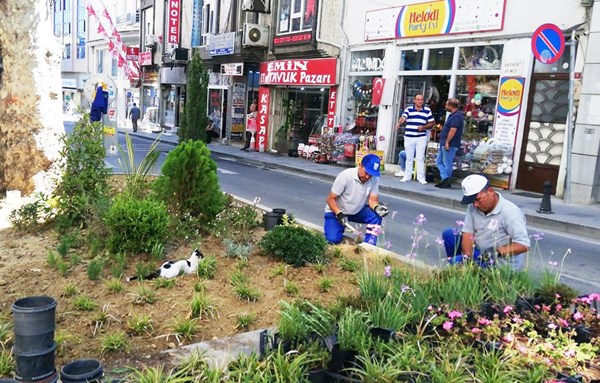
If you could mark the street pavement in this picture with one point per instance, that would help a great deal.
(572, 219)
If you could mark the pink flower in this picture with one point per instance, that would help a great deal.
(558, 307)
(430, 308)
(546, 308)
(460, 223)
(484, 321)
(475, 330)
(387, 271)
(569, 353)
(551, 326)
(454, 314)
(447, 325)
(557, 296)
(507, 309)
(563, 323)
(577, 316)
(594, 296)
(508, 338)
(388, 244)
(517, 320)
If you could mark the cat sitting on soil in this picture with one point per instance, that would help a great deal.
(172, 269)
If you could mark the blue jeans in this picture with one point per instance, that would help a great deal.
(452, 244)
(334, 231)
(402, 159)
(444, 161)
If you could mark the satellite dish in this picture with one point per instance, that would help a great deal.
(92, 83)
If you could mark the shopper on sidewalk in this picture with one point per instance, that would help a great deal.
(212, 131)
(450, 138)
(401, 163)
(419, 120)
(494, 230)
(135, 113)
(354, 197)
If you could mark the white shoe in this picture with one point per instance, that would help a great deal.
(399, 174)
(404, 179)
(423, 182)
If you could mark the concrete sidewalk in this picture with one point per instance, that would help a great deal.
(580, 220)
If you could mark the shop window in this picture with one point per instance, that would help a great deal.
(361, 115)
(440, 59)
(367, 61)
(481, 57)
(295, 15)
(412, 60)
(67, 51)
(478, 96)
(560, 66)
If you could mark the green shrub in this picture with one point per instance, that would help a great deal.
(83, 186)
(94, 269)
(31, 214)
(136, 225)
(188, 182)
(294, 245)
(237, 222)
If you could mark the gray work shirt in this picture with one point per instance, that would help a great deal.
(504, 224)
(353, 194)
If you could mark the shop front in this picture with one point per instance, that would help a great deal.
(149, 100)
(173, 86)
(296, 103)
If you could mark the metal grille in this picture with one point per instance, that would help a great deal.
(548, 122)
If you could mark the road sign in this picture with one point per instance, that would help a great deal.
(548, 43)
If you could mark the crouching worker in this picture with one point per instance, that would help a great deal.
(494, 231)
(354, 197)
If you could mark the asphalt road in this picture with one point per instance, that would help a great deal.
(304, 196)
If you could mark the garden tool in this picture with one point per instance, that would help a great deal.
(357, 234)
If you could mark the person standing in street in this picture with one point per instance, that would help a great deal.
(450, 140)
(354, 197)
(135, 113)
(494, 230)
(418, 119)
(250, 125)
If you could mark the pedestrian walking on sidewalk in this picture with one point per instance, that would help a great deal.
(450, 138)
(494, 230)
(135, 113)
(354, 197)
(419, 120)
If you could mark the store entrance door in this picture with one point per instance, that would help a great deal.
(435, 91)
(545, 125)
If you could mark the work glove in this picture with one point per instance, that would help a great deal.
(342, 218)
(381, 210)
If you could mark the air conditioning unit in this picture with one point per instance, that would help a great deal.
(180, 55)
(150, 41)
(255, 35)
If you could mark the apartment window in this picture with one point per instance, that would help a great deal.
(67, 51)
(57, 16)
(295, 15)
(100, 62)
(66, 17)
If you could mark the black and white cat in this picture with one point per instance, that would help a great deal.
(172, 269)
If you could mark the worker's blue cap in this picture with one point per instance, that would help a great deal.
(371, 163)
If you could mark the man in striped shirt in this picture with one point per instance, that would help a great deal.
(418, 119)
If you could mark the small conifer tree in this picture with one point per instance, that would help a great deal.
(195, 117)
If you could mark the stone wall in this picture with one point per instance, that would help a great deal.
(30, 97)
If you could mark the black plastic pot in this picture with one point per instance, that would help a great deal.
(280, 212)
(337, 378)
(340, 360)
(385, 334)
(582, 334)
(35, 366)
(34, 324)
(7, 380)
(50, 378)
(569, 379)
(270, 220)
(318, 376)
(82, 371)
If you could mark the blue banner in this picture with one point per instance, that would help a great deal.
(197, 24)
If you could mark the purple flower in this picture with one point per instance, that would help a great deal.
(569, 353)
(551, 326)
(388, 244)
(577, 316)
(387, 271)
(508, 338)
(460, 223)
(484, 321)
(475, 330)
(447, 325)
(507, 309)
(454, 314)
(563, 323)
(538, 236)
(420, 220)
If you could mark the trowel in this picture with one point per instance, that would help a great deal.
(357, 234)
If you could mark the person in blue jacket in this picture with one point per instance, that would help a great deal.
(99, 105)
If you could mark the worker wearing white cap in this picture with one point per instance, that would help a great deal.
(494, 227)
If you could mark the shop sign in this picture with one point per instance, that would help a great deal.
(70, 83)
(263, 117)
(367, 61)
(173, 22)
(331, 106)
(232, 69)
(150, 77)
(221, 44)
(441, 17)
(146, 58)
(293, 39)
(317, 72)
(508, 111)
(132, 53)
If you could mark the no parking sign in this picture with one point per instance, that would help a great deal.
(548, 43)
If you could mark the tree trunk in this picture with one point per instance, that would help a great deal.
(30, 97)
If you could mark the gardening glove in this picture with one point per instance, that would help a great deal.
(381, 210)
(342, 219)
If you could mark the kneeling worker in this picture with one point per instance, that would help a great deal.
(354, 197)
(494, 229)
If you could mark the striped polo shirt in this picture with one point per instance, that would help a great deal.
(414, 119)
